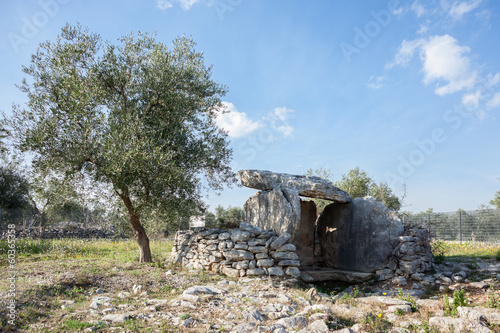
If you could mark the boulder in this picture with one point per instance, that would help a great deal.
(307, 186)
(277, 209)
(358, 236)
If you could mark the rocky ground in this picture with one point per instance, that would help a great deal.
(64, 296)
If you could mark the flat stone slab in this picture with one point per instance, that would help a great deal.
(326, 274)
(307, 186)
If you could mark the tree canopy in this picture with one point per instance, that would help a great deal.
(137, 115)
(358, 184)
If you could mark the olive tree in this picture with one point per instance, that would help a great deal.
(136, 115)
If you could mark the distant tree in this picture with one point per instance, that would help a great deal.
(496, 200)
(47, 190)
(137, 116)
(3, 135)
(210, 219)
(13, 187)
(356, 182)
(228, 218)
(383, 193)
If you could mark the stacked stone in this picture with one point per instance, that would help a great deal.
(411, 256)
(247, 251)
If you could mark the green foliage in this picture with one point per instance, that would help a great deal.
(497, 255)
(184, 316)
(72, 324)
(350, 298)
(496, 200)
(408, 298)
(458, 300)
(383, 193)
(358, 184)
(13, 187)
(376, 324)
(493, 300)
(138, 116)
(228, 218)
(439, 249)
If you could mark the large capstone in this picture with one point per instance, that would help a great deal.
(307, 186)
(358, 236)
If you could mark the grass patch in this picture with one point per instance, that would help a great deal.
(455, 250)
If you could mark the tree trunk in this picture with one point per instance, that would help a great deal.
(139, 232)
(142, 239)
(41, 230)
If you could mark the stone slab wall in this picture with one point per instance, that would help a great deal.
(247, 251)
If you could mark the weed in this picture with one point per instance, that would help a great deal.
(184, 316)
(72, 325)
(398, 312)
(425, 328)
(376, 324)
(497, 255)
(350, 298)
(408, 298)
(493, 301)
(458, 300)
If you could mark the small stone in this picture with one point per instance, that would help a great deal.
(265, 263)
(99, 291)
(293, 323)
(278, 242)
(289, 263)
(400, 281)
(240, 236)
(255, 271)
(253, 315)
(116, 318)
(287, 248)
(276, 271)
(318, 326)
(285, 255)
(293, 271)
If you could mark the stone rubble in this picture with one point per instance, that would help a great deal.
(247, 251)
(263, 304)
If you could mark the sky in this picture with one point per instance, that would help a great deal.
(409, 91)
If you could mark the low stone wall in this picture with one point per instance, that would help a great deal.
(247, 251)
(411, 256)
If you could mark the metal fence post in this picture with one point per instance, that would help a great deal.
(460, 221)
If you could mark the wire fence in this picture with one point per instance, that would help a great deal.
(481, 225)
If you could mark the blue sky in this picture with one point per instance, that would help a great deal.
(407, 90)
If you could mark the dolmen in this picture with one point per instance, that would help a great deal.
(351, 240)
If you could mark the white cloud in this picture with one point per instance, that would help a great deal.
(472, 99)
(236, 123)
(418, 8)
(163, 4)
(445, 60)
(423, 29)
(493, 79)
(494, 102)
(279, 120)
(405, 53)
(376, 83)
(459, 9)
(185, 4)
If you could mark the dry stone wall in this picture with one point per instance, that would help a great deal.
(247, 251)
